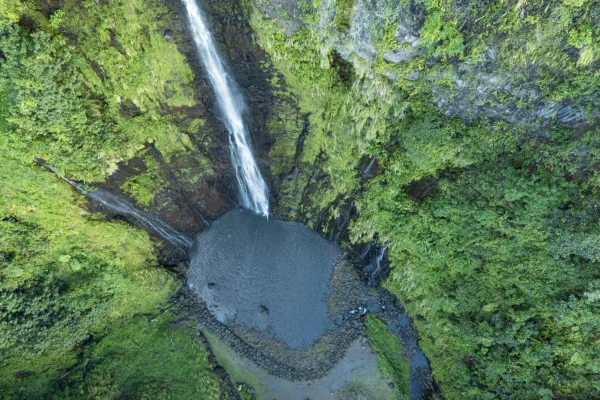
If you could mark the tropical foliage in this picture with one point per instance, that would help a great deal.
(492, 226)
(85, 87)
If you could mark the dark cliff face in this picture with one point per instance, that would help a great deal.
(198, 185)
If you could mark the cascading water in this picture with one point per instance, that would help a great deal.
(253, 190)
(123, 207)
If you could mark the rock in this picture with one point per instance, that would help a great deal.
(408, 39)
(85, 340)
(181, 268)
(220, 372)
(400, 55)
(285, 13)
(413, 76)
(168, 35)
(361, 40)
(564, 113)
(264, 310)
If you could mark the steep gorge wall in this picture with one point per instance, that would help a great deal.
(525, 70)
(527, 67)
(464, 134)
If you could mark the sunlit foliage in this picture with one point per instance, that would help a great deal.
(84, 88)
(492, 227)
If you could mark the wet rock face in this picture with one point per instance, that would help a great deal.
(369, 14)
(285, 11)
(477, 93)
(234, 39)
(479, 90)
(199, 185)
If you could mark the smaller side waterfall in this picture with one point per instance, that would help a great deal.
(376, 266)
(253, 189)
(125, 208)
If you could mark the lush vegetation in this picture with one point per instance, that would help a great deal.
(79, 302)
(390, 355)
(486, 193)
(492, 221)
(87, 95)
(61, 275)
(144, 359)
(85, 86)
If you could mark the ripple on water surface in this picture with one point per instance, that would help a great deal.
(271, 276)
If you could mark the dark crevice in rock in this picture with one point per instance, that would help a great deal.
(343, 68)
(197, 214)
(420, 190)
(300, 142)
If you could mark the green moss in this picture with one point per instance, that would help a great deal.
(287, 127)
(440, 36)
(390, 355)
(33, 377)
(144, 186)
(343, 15)
(336, 121)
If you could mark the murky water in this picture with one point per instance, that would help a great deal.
(356, 377)
(271, 276)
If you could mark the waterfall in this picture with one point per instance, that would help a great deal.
(253, 190)
(372, 258)
(125, 208)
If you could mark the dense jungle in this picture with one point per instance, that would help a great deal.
(453, 144)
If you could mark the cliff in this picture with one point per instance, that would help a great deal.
(461, 136)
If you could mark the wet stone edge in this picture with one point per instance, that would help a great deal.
(189, 303)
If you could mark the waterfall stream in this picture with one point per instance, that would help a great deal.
(253, 189)
(125, 208)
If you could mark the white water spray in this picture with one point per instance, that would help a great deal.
(253, 190)
(125, 208)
